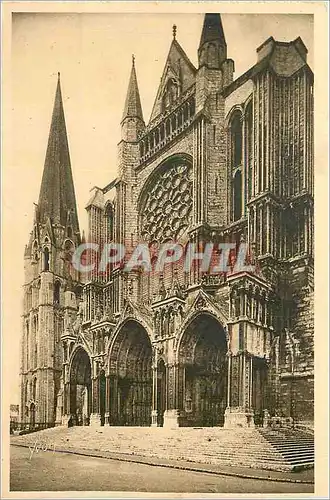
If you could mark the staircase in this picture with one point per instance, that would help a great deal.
(208, 445)
(295, 446)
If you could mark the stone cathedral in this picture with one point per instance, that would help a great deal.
(220, 160)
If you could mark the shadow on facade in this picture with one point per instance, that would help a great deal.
(80, 388)
(203, 369)
(130, 377)
(142, 388)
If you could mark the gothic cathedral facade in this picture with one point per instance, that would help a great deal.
(221, 160)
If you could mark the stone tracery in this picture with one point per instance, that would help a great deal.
(166, 211)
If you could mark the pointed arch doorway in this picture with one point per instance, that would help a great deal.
(80, 388)
(130, 376)
(202, 357)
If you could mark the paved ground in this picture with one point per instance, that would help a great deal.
(49, 471)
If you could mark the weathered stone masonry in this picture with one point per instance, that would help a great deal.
(220, 160)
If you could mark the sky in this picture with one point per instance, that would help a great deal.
(93, 53)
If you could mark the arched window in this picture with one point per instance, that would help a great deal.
(69, 232)
(57, 288)
(236, 140)
(241, 337)
(162, 132)
(65, 352)
(237, 195)
(236, 164)
(26, 396)
(237, 306)
(79, 292)
(249, 149)
(109, 222)
(35, 251)
(192, 108)
(27, 344)
(171, 94)
(29, 298)
(35, 353)
(68, 246)
(180, 118)
(173, 122)
(185, 113)
(34, 390)
(168, 127)
(35, 324)
(46, 259)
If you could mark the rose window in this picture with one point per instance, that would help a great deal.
(166, 212)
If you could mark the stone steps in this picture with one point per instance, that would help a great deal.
(213, 445)
(296, 448)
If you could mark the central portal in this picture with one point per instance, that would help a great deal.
(80, 388)
(203, 360)
(131, 377)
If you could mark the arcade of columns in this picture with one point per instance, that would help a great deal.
(199, 369)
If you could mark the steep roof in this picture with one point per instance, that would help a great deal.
(177, 66)
(133, 108)
(212, 30)
(57, 195)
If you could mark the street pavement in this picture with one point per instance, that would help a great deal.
(54, 471)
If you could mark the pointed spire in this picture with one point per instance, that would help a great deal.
(57, 195)
(212, 51)
(212, 30)
(133, 108)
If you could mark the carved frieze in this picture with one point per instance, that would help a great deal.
(167, 320)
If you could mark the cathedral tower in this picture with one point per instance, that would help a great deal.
(219, 161)
(49, 278)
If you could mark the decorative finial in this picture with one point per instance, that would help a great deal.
(133, 60)
(58, 75)
(174, 31)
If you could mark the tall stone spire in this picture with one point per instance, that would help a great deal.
(57, 198)
(212, 49)
(133, 108)
(132, 124)
(212, 30)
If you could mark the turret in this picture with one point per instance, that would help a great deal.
(132, 122)
(215, 71)
(212, 51)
